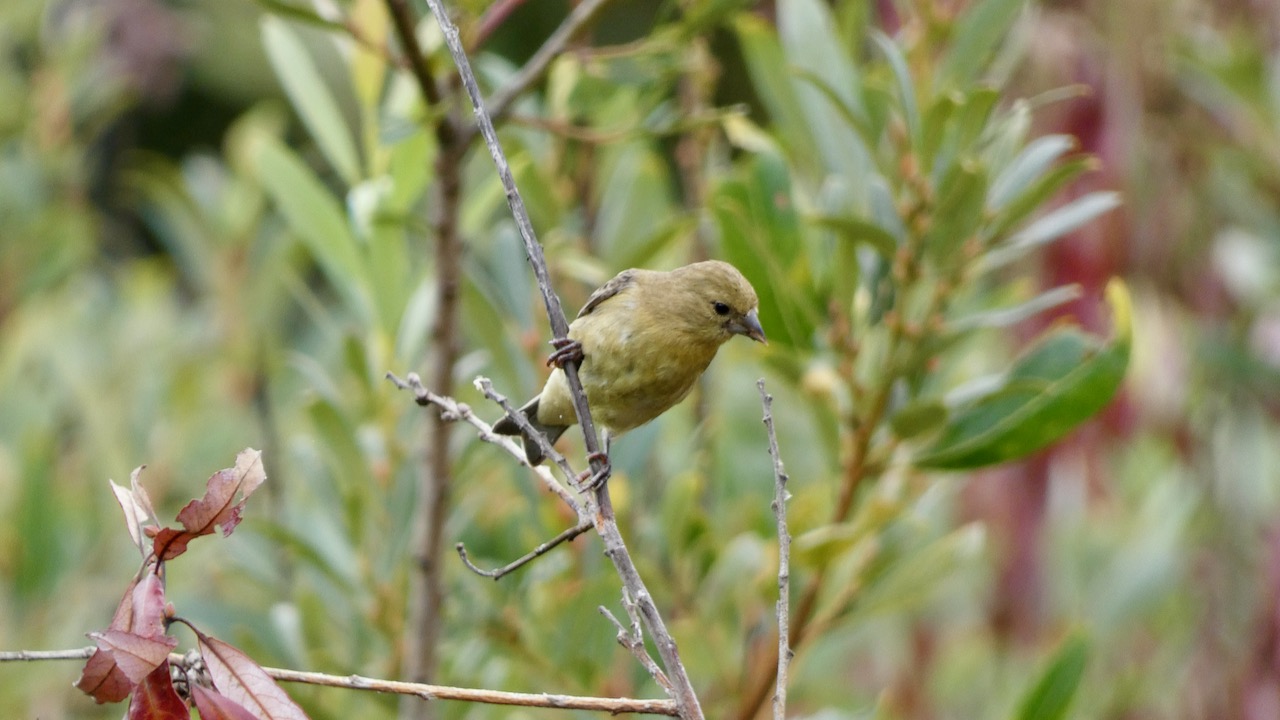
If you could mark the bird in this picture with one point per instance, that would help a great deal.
(642, 341)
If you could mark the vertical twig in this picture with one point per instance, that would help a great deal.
(780, 497)
(606, 525)
(426, 594)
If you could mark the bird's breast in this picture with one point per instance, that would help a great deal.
(633, 374)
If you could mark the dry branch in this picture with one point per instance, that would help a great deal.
(606, 524)
(421, 690)
(780, 498)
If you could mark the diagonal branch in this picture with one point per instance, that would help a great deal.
(501, 101)
(537, 552)
(606, 523)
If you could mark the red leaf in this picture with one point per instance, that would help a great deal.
(123, 617)
(138, 618)
(156, 699)
(244, 681)
(170, 543)
(103, 680)
(213, 706)
(148, 607)
(135, 655)
(218, 509)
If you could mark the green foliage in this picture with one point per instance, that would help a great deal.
(889, 194)
(1051, 697)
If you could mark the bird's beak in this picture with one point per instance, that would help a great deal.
(750, 326)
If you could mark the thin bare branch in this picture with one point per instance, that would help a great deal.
(39, 655)
(422, 690)
(780, 497)
(544, 548)
(605, 521)
(532, 70)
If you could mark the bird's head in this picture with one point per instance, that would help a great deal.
(721, 301)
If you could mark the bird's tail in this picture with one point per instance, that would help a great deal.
(508, 426)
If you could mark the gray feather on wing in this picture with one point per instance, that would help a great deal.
(620, 282)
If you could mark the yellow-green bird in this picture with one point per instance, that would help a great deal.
(644, 338)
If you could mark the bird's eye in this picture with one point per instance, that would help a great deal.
(721, 308)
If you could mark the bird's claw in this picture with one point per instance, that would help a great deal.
(567, 350)
(591, 480)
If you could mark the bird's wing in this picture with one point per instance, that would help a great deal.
(620, 282)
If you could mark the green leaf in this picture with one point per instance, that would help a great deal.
(303, 14)
(316, 217)
(1052, 226)
(958, 212)
(938, 118)
(917, 418)
(1036, 158)
(1033, 197)
(311, 97)
(1052, 695)
(858, 230)
(761, 235)
(808, 36)
(910, 579)
(773, 82)
(1006, 317)
(977, 35)
(974, 115)
(1059, 383)
(906, 89)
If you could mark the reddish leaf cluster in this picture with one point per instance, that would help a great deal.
(132, 658)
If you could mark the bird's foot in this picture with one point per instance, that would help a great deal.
(591, 480)
(567, 350)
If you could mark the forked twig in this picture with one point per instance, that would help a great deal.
(451, 409)
(633, 641)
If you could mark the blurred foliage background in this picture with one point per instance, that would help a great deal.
(217, 230)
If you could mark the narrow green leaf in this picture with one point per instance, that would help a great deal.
(1052, 695)
(1036, 158)
(959, 210)
(860, 230)
(809, 39)
(1060, 382)
(303, 14)
(316, 218)
(917, 418)
(1036, 195)
(906, 89)
(1052, 226)
(855, 120)
(940, 116)
(977, 35)
(311, 97)
(908, 581)
(1006, 317)
(974, 114)
(761, 235)
(772, 80)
